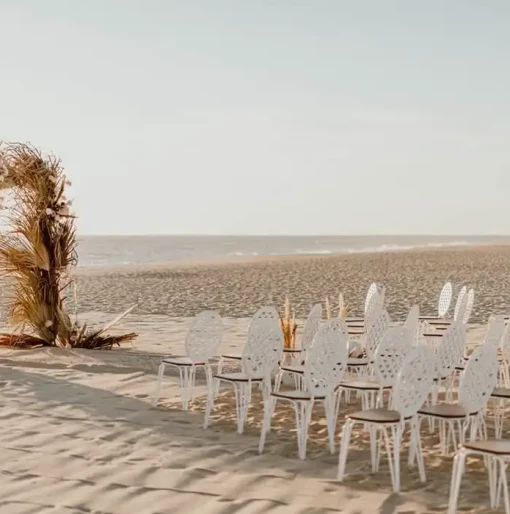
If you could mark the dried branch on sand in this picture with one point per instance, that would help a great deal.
(38, 252)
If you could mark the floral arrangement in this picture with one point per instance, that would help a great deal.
(342, 307)
(38, 253)
(288, 326)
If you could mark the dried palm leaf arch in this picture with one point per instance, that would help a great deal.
(38, 253)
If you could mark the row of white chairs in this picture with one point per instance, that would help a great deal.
(394, 354)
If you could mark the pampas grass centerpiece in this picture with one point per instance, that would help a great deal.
(289, 326)
(38, 253)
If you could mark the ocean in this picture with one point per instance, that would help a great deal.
(120, 250)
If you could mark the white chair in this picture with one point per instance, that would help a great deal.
(309, 331)
(411, 389)
(468, 309)
(372, 290)
(460, 303)
(389, 356)
(262, 353)
(497, 456)
(376, 326)
(412, 323)
(443, 303)
(476, 386)
(505, 357)
(201, 345)
(237, 357)
(324, 369)
(493, 336)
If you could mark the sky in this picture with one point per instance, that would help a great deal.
(268, 116)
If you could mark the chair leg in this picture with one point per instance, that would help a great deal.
(303, 412)
(397, 438)
(458, 470)
(344, 448)
(418, 453)
(269, 407)
(504, 485)
(278, 380)
(161, 372)
(187, 376)
(373, 431)
(211, 393)
(389, 454)
(499, 419)
(219, 369)
(243, 396)
(329, 408)
(494, 484)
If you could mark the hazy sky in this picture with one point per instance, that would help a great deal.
(267, 116)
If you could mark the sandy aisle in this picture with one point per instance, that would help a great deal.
(78, 435)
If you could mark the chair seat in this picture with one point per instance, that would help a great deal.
(444, 410)
(376, 416)
(292, 350)
(362, 385)
(298, 370)
(296, 395)
(232, 356)
(494, 446)
(181, 361)
(354, 362)
(501, 392)
(237, 377)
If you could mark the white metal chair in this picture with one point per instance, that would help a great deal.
(477, 383)
(376, 326)
(309, 331)
(411, 389)
(391, 352)
(443, 304)
(505, 357)
(413, 324)
(468, 309)
(493, 336)
(237, 357)
(324, 369)
(497, 456)
(459, 303)
(372, 290)
(201, 345)
(262, 353)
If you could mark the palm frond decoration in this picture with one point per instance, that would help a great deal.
(38, 252)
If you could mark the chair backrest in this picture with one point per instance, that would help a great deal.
(461, 302)
(479, 379)
(414, 381)
(470, 302)
(391, 353)
(311, 326)
(505, 343)
(204, 336)
(412, 322)
(495, 331)
(371, 291)
(327, 358)
(375, 330)
(264, 346)
(445, 300)
(450, 350)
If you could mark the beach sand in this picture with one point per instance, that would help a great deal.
(78, 433)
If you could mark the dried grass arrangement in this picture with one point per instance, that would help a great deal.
(38, 253)
(288, 325)
(342, 307)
